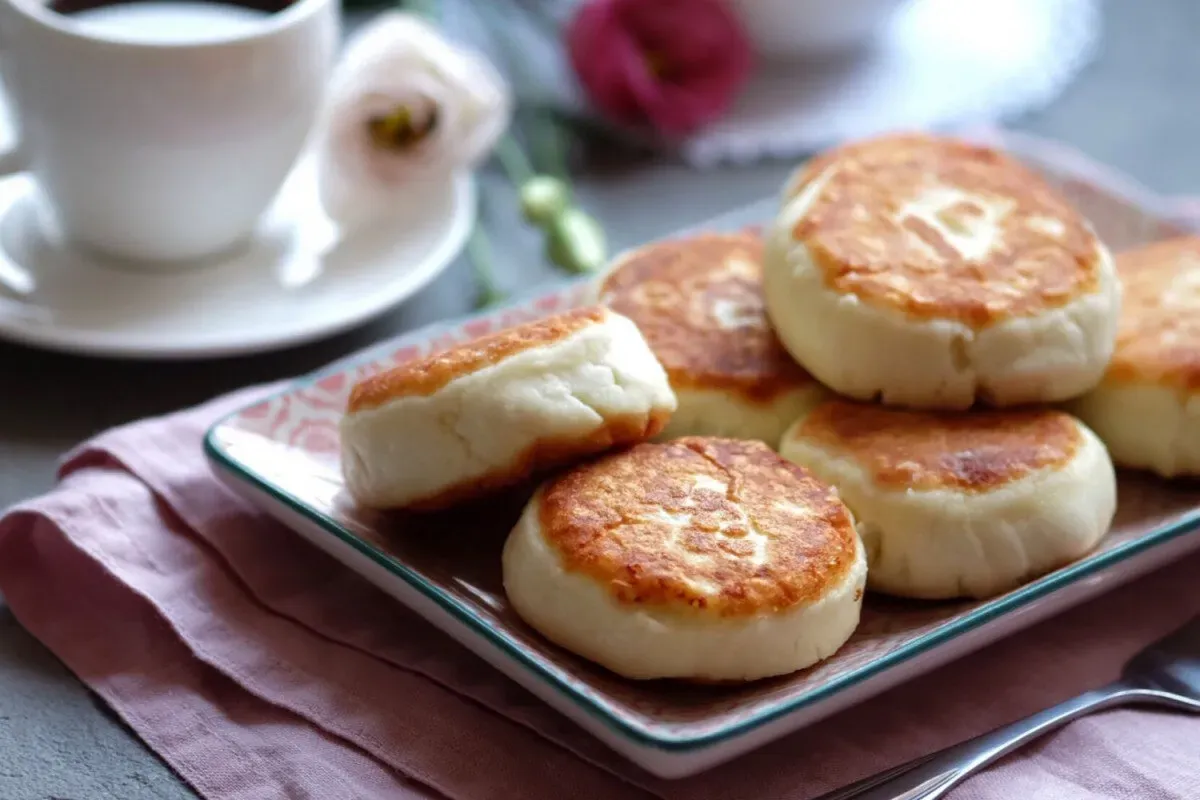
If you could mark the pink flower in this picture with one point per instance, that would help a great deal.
(673, 64)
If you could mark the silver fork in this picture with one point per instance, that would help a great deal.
(1165, 673)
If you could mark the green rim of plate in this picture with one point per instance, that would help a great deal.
(465, 614)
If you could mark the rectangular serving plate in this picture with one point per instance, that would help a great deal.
(282, 454)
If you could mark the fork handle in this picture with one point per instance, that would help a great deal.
(930, 777)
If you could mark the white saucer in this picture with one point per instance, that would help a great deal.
(296, 281)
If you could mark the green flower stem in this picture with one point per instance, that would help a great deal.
(574, 240)
(514, 161)
(546, 137)
(479, 252)
(553, 148)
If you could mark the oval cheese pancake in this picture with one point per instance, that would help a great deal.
(954, 504)
(701, 558)
(699, 302)
(948, 272)
(1147, 408)
(492, 412)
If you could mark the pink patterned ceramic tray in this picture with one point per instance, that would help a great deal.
(283, 454)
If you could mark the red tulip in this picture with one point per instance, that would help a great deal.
(672, 64)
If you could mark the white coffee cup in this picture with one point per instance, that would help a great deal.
(162, 152)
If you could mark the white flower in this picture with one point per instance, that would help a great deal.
(405, 106)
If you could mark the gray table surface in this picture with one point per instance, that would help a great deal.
(1135, 108)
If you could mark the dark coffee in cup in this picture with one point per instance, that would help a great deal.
(72, 7)
(166, 21)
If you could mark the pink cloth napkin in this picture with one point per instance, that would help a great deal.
(260, 668)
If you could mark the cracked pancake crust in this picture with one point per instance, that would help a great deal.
(974, 451)
(699, 303)
(424, 376)
(716, 526)
(1159, 336)
(942, 229)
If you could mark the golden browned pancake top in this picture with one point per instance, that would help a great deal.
(718, 526)
(424, 376)
(1159, 335)
(699, 303)
(939, 228)
(972, 451)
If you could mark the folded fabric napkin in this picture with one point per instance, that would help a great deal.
(260, 668)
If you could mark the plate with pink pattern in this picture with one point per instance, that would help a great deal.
(282, 454)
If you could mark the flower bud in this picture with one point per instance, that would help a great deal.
(575, 242)
(543, 198)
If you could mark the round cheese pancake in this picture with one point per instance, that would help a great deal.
(953, 504)
(491, 412)
(701, 558)
(699, 303)
(931, 273)
(1147, 408)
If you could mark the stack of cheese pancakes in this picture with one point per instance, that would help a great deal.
(743, 432)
